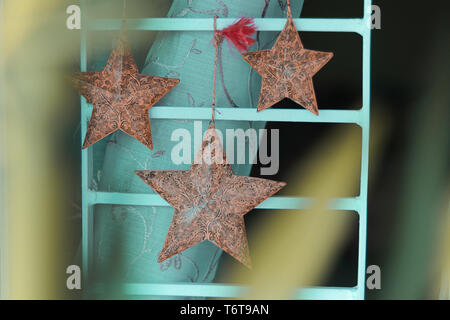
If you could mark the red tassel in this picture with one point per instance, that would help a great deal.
(239, 34)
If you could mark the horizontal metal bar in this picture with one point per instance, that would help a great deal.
(327, 293)
(217, 290)
(206, 24)
(250, 114)
(286, 203)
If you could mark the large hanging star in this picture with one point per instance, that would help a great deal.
(210, 201)
(287, 70)
(121, 97)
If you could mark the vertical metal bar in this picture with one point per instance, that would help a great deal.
(86, 165)
(365, 125)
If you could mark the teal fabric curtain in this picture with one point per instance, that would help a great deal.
(128, 239)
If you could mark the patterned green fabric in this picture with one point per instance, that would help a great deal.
(128, 239)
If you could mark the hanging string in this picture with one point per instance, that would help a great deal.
(239, 34)
(217, 39)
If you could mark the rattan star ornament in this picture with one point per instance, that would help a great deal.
(210, 201)
(287, 69)
(121, 97)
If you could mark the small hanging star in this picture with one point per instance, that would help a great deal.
(287, 69)
(210, 201)
(121, 97)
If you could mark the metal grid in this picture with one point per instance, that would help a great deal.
(361, 117)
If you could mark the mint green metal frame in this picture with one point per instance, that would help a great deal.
(361, 117)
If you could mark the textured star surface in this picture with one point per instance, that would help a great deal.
(121, 97)
(210, 201)
(287, 70)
